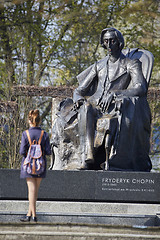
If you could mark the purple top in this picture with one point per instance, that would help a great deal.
(34, 133)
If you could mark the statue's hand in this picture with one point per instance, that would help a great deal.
(78, 104)
(106, 101)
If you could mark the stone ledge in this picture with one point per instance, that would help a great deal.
(81, 207)
(105, 219)
(92, 186)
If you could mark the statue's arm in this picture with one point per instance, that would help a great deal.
(138, 86)
(85, 84)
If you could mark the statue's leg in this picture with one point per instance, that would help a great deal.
(90, 132)
(86, 123)
(109, 140)
(82, 134)
(52, 157)
(105, 165)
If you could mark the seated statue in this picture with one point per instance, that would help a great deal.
(110, 108)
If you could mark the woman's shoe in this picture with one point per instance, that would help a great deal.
(34, 219)
(25, 219)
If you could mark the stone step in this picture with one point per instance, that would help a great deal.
(75, 232)
(80, 221)
(83, 212)
(82, 207)
(59, 218)
(116, 220)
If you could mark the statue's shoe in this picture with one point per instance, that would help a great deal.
(104, 166)
(84, 166)
(89, 160)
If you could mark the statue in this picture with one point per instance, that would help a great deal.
(109, 113)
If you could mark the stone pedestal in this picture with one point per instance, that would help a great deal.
(99, 186)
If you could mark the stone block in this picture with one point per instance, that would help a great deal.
(102, 186)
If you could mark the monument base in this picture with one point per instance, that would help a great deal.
(99, 186)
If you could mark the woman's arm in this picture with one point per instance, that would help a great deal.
(47, 148)
(24, 145)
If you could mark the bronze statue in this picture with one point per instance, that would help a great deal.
(111, 108)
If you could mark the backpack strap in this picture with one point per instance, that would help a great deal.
(40, 139)
(29, 139)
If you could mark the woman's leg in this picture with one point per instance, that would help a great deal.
(38, 181)
(31, 183)
(33, 187)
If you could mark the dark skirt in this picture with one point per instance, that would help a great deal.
(24, 174)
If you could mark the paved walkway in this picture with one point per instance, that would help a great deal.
(75, 232)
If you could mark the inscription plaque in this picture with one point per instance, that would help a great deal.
(133, 186)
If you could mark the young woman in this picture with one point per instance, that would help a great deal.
(33, 182)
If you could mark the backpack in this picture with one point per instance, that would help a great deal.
(34, 163)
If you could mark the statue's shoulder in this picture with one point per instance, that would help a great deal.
(129, 62)
(143, 56)
(102, 63)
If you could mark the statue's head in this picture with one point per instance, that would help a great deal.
(118, 35)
